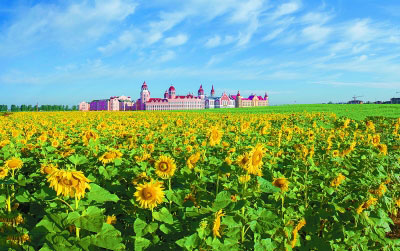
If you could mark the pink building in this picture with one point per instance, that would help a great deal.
(114, 103)
(171, 101)
(83, 106)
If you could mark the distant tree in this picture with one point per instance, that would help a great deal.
(66, 108)
(30, 108)
(23, 108)
(330, 102)
(14, 108)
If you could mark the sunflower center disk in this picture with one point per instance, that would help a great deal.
(163, 166)
(147, 193)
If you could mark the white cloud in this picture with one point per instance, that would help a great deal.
(213, 41)
(177, 40)
(218, 41)
(272, 35)
(286, 9)
(71, 25)
(125, 40)
(316, 33)
(246, 10)
(167, 56)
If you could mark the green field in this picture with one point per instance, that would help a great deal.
(351, 111)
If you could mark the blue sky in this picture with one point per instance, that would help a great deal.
(65, 52)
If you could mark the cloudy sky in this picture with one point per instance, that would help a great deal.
(64, 52)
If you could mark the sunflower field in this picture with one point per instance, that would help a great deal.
(198, 181)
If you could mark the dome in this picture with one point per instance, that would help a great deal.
(172, 88)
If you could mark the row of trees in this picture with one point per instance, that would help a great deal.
(27, 108)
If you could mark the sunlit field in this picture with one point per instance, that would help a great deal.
(273, 178)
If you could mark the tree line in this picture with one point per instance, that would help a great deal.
(32, 108)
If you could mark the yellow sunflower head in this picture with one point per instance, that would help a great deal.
(243, 160)
(382, 148)
(192, 160)
(111, 219)
(256, 156)
(215, 135)
(281, 183)
(69, 183)
(14, 163)
(48, 168)
(217, 223)
(165, 167)
(149, 195)
(110, 156)
(3, 172)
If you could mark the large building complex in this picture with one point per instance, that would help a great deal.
(171, 101)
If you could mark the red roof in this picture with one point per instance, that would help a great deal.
(157, 100)
(172, 88)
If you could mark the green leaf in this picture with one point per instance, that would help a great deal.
(141, 243)
(223, 199)
(152, 227)
(3, 198)
(78, 159)
(108, 238)
(165, 229)
(92, 219)
(189, 242)
(266, 186)
(139, 226)
(163, 215)
(100, 195)
(264, 244)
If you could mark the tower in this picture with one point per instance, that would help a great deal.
(266, 96)
(144, 95)
(200, 92)
(166, 94)
(238, 102)
(171, 92)
(212, 91)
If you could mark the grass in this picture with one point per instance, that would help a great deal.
(358, 112)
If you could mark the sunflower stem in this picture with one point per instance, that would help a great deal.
(170, 189)
(66, 203)
(216, 192)
(76, 203)
(77, 229)
(8, 201)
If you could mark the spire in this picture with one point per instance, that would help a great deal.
(266, 95)
(212, 91)
(144, 86)
(238, 94)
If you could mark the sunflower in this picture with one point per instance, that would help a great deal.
(3, 172)
(382, 148)
(255, 162)
(301, 224)
(244, 178)
(111, 219)
(69, 183)
(371, 201)
(165, 167)
(149, 195)
(243, 160)
(48, 168)
(338, 180)
(192, 160)
(376, 139)
(217, 223)
(215, 135)
(335, 153)
(14, 163)
(55, 143)
(281, 183)
(110, 156)
(88, 135)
